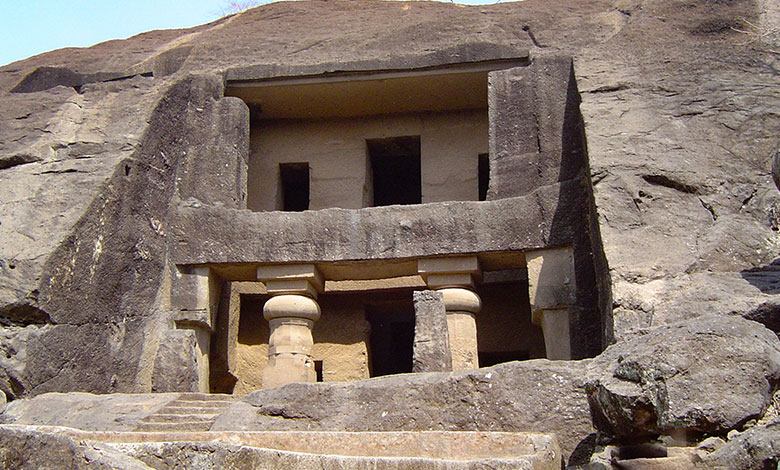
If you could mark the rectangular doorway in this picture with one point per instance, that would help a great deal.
(396, 170)
(392, 337)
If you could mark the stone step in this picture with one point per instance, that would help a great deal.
(454, 450)
(210, 405)
(188, 396)
(188, 412)
(183, 426)
(179, 418)
(191, 410)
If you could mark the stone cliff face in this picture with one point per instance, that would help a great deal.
(679, 100)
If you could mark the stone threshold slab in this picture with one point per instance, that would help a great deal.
(440, 445)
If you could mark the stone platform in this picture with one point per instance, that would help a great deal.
(21, 446)
(161, 431)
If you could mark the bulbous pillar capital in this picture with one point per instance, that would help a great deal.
(458, 299)
(291, 305)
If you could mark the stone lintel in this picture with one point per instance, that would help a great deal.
(551, 282)
(302, 279)
(449, 264)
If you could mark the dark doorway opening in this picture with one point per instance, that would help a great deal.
(396, 170)
(487, 359)
(392, 338)
(483, 174)
(295, 186)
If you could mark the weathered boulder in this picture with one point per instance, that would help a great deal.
(110, 412)
(538, 395)
(756, 448)
(709, 374)
(29, 448)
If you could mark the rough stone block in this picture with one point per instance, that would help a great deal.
(533, 126)
(176, 366)
(195, 295)
(431, 338)
(541, 395)
(551, 281)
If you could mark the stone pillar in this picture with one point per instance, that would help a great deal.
(291, 313)
(431, 349)
(553, 294)
(195, 302)
(454, 278)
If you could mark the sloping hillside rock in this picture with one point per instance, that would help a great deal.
(98, 202)
(708, 375)
(753, 294)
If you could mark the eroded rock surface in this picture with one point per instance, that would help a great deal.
(706, 375)
(756, 448)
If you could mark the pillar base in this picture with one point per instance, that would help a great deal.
(286, 368)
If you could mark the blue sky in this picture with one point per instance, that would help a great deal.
(30, 27)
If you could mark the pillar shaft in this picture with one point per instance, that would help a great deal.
(291, 318)
(291, 313)
(461, 306)
(552, 292)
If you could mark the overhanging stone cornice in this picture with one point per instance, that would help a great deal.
(461, 54)
(209, 235)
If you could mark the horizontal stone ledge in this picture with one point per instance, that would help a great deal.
(209, 235)
(469, 53)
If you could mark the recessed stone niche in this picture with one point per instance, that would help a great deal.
(367, 189)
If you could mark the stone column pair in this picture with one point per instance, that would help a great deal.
(454, 278)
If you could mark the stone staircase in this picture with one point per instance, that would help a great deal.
(187, 413)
